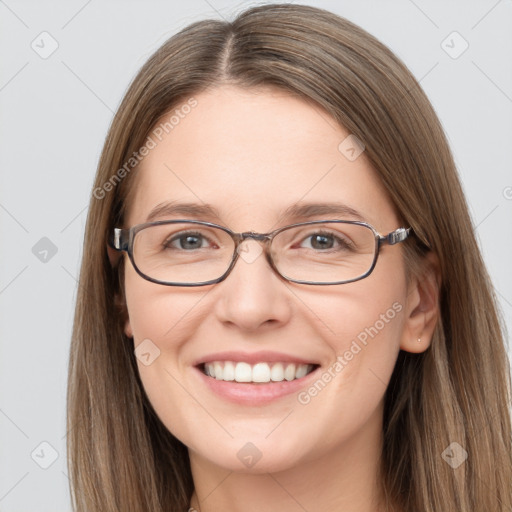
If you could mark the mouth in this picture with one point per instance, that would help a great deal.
(255, 378)
(259, 373)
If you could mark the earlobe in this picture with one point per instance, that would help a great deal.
(422, 308)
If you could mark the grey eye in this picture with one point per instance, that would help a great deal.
(187, 241)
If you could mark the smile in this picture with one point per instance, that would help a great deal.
(261, 372)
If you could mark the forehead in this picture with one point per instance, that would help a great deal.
(251, 154)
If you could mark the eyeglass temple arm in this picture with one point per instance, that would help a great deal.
(119, 241)
(115, 245)
(395, 237)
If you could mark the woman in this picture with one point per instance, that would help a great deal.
(282, 303)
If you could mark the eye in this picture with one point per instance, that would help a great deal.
(187, 241)
(325, 241)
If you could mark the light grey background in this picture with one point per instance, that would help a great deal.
(55, 112)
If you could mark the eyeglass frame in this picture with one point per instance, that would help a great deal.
(123, 239)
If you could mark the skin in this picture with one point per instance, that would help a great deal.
(252, 153)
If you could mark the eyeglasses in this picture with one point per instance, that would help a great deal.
(197, 253)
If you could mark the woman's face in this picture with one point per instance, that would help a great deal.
(250, 155)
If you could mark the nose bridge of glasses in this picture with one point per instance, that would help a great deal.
(250, 252)
(262, 237)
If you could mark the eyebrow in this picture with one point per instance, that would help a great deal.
(298, 211)
(310, 210)
(188, 210)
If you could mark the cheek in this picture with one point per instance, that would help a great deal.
(369, 331)
(161, 313)
(363, 338)
(363, 319)
(368, 350)
(163, 320)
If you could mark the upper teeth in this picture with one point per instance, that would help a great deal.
(259, 372)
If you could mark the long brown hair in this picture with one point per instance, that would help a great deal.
(120, 455)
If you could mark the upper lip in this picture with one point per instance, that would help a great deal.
(264, 356)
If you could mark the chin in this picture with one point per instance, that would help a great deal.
(250, 457)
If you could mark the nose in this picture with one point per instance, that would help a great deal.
(253, 296)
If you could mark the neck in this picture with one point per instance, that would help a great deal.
(347, 478)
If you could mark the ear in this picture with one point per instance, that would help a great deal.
(122, 310)
(128, 328)
(113, 255)
(422, 306)
(119, 300)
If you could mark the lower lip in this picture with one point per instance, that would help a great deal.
(255, 394)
